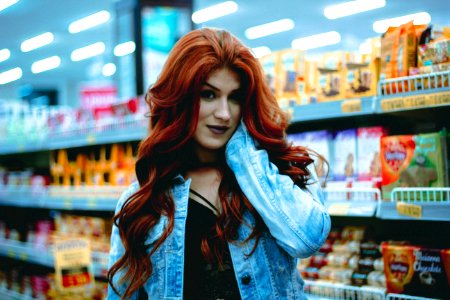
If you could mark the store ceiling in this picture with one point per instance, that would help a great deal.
(28, 18)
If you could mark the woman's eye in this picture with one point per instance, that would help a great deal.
(209, 95)
(235, 97)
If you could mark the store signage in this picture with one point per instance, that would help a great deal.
(351, 106)
(98, 96)
(73, 265)
(410, 210)
(417, 101)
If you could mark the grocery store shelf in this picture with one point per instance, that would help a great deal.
(413, 92)
(113, 131)
(333, 109)
(42, 256)
(360, 202)
(12, 295)
(432, 204)
(98, 198)
(326, 290)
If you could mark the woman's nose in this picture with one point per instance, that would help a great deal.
(222, 110)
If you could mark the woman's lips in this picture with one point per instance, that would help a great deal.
(217, 129)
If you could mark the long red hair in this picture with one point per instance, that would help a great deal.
(174, 105)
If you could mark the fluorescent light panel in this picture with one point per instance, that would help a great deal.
(269, 28)
(37, 42)
(352, 7)
(88, 51)
(214, 12)
(261, 51)
(7, 3)
(10, 75)
(109, 69)
(89, 21)
(45, 64)
(4, 54)
(317, 40)
(124, 48)
(420, 18)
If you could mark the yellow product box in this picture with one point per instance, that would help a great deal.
(362, 79)
(270, 64)
(433, 53)
(331, 85)
(291, 73)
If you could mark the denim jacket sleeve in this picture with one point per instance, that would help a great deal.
(117, 249)
(295, 217)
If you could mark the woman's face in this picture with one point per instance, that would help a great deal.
(220, 113)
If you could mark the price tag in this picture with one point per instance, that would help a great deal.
(438, 98)
(415, 101)
(23, 256)
(90, 139)
(11, 254)
(350, 106)
(410, 210)
(91, 203)
(67, 203)
(339, 209)
(392, 104)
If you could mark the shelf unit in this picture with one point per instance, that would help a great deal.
(337, 291)
(28, 253)
(110, 131)
(12, 295)
(99, 198)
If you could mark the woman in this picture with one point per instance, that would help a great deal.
(223, 206)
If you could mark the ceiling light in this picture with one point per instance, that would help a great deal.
(269, 28)
(352, 7)
(124, 48)
(261, 51)
(214, 12)
(317, 40)
(37, 42)
(89, 21)
(45, 64)
(109, 69)
(88, 51)
(10, 75)
(7, 3)
(419, 19)
(4, 54)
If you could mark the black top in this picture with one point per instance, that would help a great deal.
(204, 280)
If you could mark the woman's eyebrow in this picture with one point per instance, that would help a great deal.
(212, 86)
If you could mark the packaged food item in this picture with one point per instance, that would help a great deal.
(345, 155)
(414, 270)
(413, 161)
(368, 149)
(270, 64)
(291, 75)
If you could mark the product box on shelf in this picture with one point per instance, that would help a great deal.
(413, 161)
(270, 64)
(345, 155)
(368, 149)
(399, 50)
(290, 72)
(362, 77)
(415, 270)
(332, 75)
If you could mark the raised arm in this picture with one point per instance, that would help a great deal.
(296, 217)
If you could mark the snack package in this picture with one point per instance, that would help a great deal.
(331, 83)
(362, 78)
(412, 161)
(344, 159)
(414, 270)
(368, 149)
(291, 70)
(270, 64)
(320, 142)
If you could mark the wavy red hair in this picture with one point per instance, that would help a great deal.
(174, 105)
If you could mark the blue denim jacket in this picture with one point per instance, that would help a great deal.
(296, 219)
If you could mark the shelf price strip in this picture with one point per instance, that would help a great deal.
(410, 210)
(416, 101)
(351, 106)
